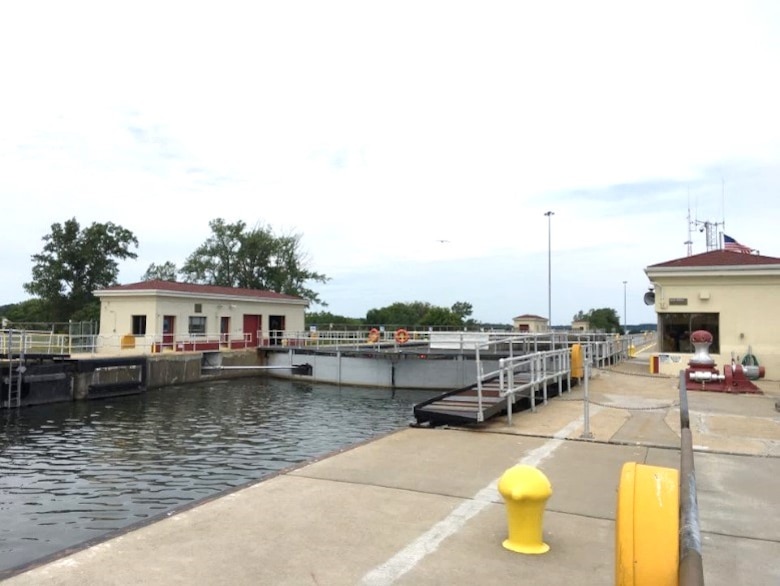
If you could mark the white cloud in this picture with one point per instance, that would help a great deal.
(375, 131)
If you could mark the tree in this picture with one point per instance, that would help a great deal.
(604, 319)
(462, 309)
(324, 320)
(440, 316)
(26, 312)
(164, 272)
(419, 313)
(76, 262)
(399, 314)
(234, 256)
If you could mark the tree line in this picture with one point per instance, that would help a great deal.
(76, 261)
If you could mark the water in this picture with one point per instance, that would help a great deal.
(78, 471)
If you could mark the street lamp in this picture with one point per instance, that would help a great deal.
(625, 317)
(549, 270)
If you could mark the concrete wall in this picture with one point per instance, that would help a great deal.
(404, 371)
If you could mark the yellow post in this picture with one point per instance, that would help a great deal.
(647, 540)
(577, 364)
(525, 490)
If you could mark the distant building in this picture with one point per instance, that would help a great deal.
(155, 316)
(733, 295)
(530, 323)
(580, 325)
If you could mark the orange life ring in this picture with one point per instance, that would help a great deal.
(401, 336)
(373, 335)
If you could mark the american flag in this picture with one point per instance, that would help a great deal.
(730, 244)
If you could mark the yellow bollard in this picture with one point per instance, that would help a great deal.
(525, 490)
(577, 368)
(647, 537)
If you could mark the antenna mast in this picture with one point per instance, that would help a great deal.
(689, 242)
(711, 235)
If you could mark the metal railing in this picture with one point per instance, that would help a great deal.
(523, 376)
(604, 348)
(691, 572)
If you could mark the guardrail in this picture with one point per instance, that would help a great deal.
(691, 570)
(524, 375)
(604, 348)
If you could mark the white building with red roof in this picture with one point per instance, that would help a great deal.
(529, 322)
(156, 316)
(733, 295)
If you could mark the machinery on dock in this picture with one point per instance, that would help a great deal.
(701, 374)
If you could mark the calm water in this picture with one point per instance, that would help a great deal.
(76, 471)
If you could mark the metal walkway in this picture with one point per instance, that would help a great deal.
(518, 384)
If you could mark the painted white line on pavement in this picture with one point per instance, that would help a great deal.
(428, 542)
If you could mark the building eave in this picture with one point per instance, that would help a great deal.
(195, 295)
(710, 271)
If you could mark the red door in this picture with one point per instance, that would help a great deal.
(224, 331)
(169, 322)
(252, 329)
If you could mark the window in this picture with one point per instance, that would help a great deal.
(197, 325)
(676, 328)
(198, 308)
(139, 325)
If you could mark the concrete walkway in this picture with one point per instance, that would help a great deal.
(420, 506)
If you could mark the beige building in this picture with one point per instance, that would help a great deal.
(529, 323)
(580, 325)
(156, 316)
(733, 295)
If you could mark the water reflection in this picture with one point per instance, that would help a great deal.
(75, 471)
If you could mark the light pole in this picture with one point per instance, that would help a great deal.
(625, 317)
(549, 270)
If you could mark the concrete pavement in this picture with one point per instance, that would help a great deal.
(420, 506)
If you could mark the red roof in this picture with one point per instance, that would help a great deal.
(194, 288)
(719, 258)
(530, 316)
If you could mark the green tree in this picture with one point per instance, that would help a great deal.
(440, 316)
(462, 309)
(604, 319)
(234, 256)
(76, 262)
(420, 313)
(398, 314)
(26, 312)
(324, 320)
(163, 272)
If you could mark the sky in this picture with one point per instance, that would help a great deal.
(414, 146)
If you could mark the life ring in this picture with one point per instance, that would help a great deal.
(401, 336)
(373, 335)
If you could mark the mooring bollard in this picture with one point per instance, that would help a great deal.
(525, 490)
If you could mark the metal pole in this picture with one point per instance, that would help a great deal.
(625, 317)
(549, 268)
(586, 434)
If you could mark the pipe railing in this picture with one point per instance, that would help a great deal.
(691, 572)
(525, 375)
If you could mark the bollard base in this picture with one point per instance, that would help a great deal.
(526, 548)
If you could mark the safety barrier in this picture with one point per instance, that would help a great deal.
(523, 376)
(691, 568)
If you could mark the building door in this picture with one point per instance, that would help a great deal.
(276, 329)
(224, 331)
(169, 323)
(252, 326)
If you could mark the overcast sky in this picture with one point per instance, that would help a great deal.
(378, 130)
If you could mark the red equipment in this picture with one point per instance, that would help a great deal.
(701, 374)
